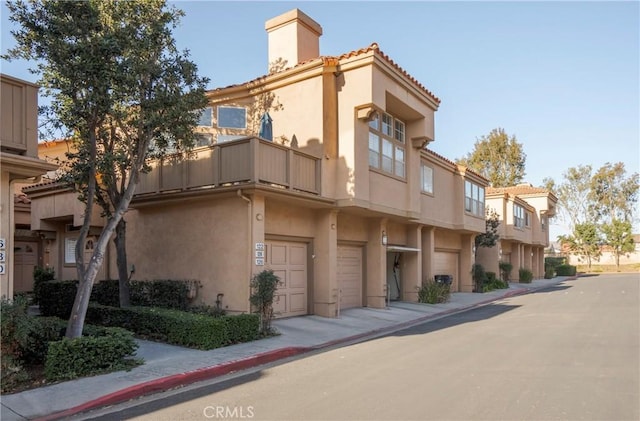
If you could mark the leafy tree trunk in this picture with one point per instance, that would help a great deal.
(121, 260)
(79, 311)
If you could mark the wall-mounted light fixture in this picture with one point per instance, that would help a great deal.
(384, 238)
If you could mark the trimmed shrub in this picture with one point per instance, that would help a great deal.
(157, 293)
(15, 326)
(41, 275)
(432, 292)
(243, 327)
(525, 276)
(479, 277)
(106, 292)
(178, 327)
(263, 291)
(57, 298)
(549, 272)
(208, 310)
(566, 270)
(554, 261)
(87, 355)
(505, 270)
(493, 282)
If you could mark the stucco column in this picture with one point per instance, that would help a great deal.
(412, 271)
(255, 228)
(325, 252)
(6, 232)
(516, 260)
(466, 263)
(376, 265)
(428, 236)
(538, 259)
(528, 250)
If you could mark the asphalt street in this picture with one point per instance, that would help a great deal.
(570, 352)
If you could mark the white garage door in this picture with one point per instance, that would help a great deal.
(446, 263)
(350, 276)
(288, 260)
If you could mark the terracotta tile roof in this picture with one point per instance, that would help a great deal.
(519, 190)
(332, 59)
(447, 160)
(45, 182)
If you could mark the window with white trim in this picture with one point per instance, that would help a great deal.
(473, 198)
(70, 251)
(527, 219)
(387, 145)
(518, 216)
(426, 178)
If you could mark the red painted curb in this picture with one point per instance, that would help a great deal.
(181, 379)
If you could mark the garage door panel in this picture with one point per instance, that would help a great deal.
(288, 260)
(282, 274)
(298, 279)
(446, 263)
(349, 275)
(280, 304)
(298, 255)
(278, 255)
(298, 302)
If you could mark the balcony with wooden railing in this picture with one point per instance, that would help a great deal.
(239, 162)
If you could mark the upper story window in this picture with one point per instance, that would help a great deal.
(206, 118)
(543, 222)
(518, 216)
(527, 219)
(473, 198)
(232, 117)
(387, 145)
(426, 178)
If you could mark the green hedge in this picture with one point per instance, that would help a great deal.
(177, 327)
(525, 276)
(566, 270)
(56, 298)
(493, 282)
(40, 276)
(71, 358)
(554, 261)
(433, 292)
(549, 272)
(163, 293)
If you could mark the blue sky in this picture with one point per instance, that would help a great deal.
(563, 77)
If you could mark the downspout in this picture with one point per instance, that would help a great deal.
(249, 237)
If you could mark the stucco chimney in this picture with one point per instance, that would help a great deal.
(294, 37)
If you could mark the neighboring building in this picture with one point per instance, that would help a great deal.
(524, 213)
(57, 216)
(19, 164)
(607, 257)
(340, 195)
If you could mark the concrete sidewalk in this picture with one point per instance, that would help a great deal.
(168, 366)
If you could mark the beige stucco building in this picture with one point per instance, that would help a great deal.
(524, 213)
(19, 164)
(341, 195)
